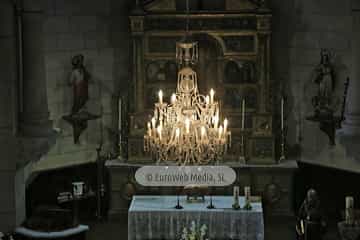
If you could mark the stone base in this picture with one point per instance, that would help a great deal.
(273, 182)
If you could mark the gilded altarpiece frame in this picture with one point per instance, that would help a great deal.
(242, 39)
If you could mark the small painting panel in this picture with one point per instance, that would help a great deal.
(233, 98)
(160, 71)
(262, 125)
(240, 43)
(237, 72)
(262, 149)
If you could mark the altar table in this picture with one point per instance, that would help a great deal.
(154, 217)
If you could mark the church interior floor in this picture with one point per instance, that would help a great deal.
(276, 229)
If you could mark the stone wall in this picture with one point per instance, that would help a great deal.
(99, 31)
(300, 29)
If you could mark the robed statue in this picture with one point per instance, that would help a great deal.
(324, 77)
(310, 221)
(79, 81)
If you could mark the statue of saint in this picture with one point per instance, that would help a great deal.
(79, 79)
(325, 78)
(310, 224)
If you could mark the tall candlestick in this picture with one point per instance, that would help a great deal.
(236, 194)
(236, 198)
(243, 115)
(282, 113)
(349, 210)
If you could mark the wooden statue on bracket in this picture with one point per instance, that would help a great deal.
(79, 80)
(325, 101)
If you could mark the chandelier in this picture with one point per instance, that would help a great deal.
(188, 129)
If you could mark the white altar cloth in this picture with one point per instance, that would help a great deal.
(154, 217)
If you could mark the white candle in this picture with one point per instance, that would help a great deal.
(282, 113)
(187, 125)
(153, 121)
(220, 132)
(216, 121)
(225, 125)
(149, 129)
(212, 92)
(173, 98)
(203, 132)
(243, 115)
(160, 96)
(207, 99)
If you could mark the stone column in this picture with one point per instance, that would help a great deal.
(8, 143)
(352, 115)
(35, 116)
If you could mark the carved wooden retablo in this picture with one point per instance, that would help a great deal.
(234, 59)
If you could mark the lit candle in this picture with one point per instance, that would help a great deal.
(216, 121)
(243, 115)
(207, 99)
(220, 131)
(160, 96)
(212, 92)
(173, 98)
(282, 113)
(187, 125)
(225, 125)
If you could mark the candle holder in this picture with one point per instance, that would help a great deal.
(242, 158)
(282, 145)
(236, 206)
(178, 206)
(210, 206)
